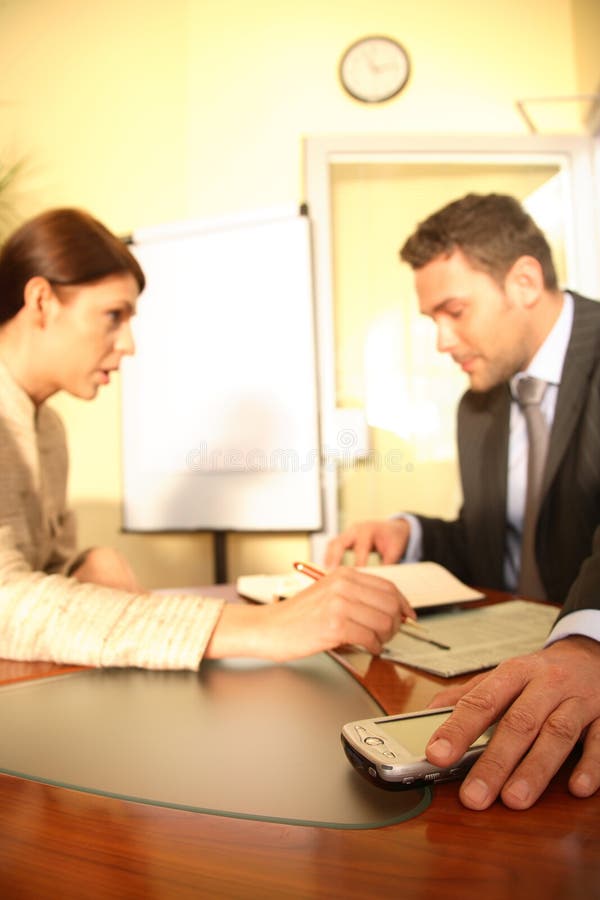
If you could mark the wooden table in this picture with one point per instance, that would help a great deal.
(59, 843)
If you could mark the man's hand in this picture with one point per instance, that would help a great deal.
(344, 607)
(543, 703)
(388, 538)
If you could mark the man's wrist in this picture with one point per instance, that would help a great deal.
(585, 622)
(414, 544)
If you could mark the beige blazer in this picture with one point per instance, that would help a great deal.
(45, 615)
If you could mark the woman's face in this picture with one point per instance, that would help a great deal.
(88, 331)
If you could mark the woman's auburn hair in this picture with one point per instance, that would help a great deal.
(66, 247)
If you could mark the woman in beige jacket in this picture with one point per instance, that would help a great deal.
(68, 291)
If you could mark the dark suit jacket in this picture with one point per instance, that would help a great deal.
(473, 546)
(585, 593)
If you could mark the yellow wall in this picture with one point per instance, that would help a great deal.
(145, 111)
(586, 32)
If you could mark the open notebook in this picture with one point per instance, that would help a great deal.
(474, 639)
(423, 584)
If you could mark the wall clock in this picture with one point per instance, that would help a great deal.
(374, 68)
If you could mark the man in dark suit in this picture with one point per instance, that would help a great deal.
(543, 702)
(484, 274)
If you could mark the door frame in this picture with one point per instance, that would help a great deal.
(578, 157)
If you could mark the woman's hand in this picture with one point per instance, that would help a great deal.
(106, 566)
(344, 607)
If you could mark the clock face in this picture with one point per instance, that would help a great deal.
(374, 69)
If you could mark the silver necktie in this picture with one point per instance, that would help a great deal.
(530, 392)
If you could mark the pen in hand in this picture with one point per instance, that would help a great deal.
(311, 571)
(315, 573)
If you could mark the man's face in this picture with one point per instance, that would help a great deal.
(485, 330)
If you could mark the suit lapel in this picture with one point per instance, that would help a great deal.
(484, 465)
(496, 452)
(572, 394)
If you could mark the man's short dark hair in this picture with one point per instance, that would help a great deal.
(492, 230)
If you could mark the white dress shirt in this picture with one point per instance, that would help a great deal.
(547, 364)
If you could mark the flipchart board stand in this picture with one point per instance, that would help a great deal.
(219, 403)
